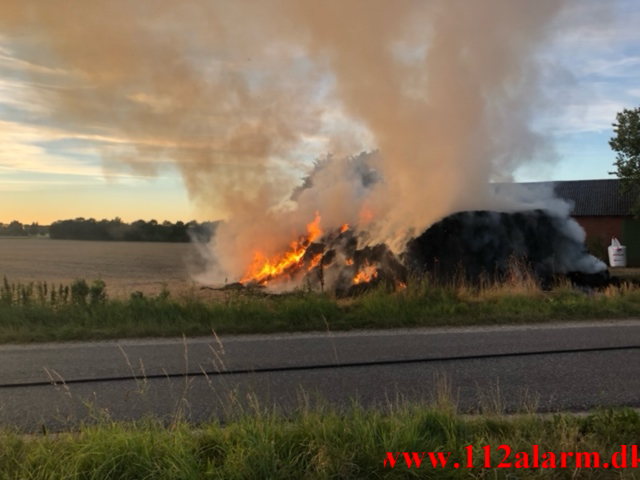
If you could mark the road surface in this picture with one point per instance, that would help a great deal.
(571, 366)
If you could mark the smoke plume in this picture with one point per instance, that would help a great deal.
(242, 96)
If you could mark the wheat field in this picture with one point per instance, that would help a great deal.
(124, 266)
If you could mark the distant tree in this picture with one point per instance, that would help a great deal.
(16, 229)
(33, 229)
(626, 144)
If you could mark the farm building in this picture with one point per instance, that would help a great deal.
(604, 211)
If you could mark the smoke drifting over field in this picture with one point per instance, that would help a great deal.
(240, 96)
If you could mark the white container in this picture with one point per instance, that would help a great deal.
(617, 254)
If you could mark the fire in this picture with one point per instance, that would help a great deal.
(366, 215)
(366, 274)
(315, 261)
(299, 259)
(264, 269)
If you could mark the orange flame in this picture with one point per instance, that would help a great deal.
(264, 269)
(366, 215)
(348, 261)
(315, 261)
(366, 274)
(344, 228)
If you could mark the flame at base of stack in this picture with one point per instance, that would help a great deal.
(334, 263)
(264, 269)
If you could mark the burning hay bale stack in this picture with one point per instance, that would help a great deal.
(474, 246)
(334, 263)
(350, 271)
(484, 245)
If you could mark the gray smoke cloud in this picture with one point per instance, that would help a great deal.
(240, 96)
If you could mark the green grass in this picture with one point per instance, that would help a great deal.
(41, 313)
(316, 444)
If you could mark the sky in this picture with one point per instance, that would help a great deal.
(51, 170)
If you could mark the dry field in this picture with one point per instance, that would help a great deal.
(124, 266)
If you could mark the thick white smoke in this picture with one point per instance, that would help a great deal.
(241, 96)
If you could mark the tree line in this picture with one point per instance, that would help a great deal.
(113, 230)
(17, 229)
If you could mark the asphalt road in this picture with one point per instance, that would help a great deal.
(576, 366)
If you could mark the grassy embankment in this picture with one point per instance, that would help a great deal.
(38, 312)
(316, 442)
(320, 444)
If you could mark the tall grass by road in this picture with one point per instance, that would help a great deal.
(40, 312)
(321, 444)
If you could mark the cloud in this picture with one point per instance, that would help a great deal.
(8, 61)
(22, 150)
(19, 96)
(598, 49)
(592, 117)
(30, 185)
(613, 68)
